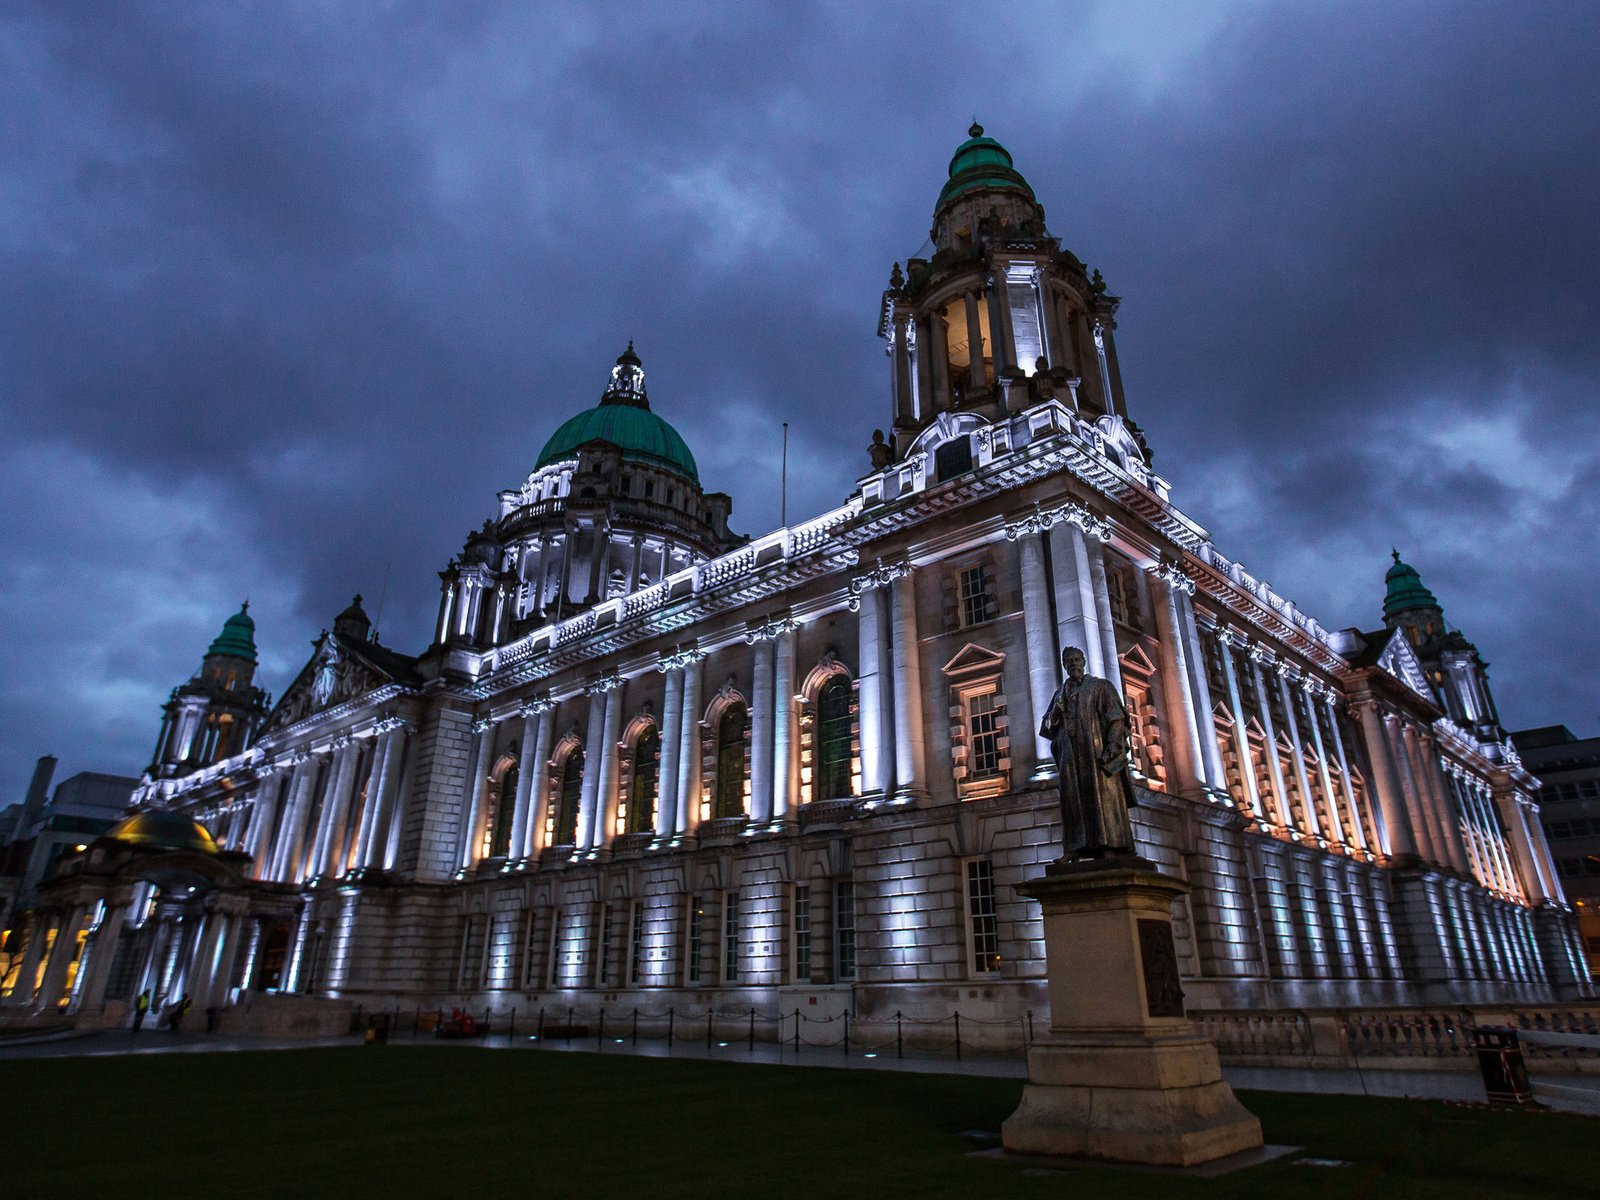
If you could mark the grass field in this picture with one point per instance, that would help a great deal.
(447, 1122)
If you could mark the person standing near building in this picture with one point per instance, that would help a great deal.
(141, 1006)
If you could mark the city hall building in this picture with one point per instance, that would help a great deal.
(649, 763)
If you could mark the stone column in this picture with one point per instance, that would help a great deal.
(672, 717)
(1358, 834)
(1428, 763)
(1181, 719)
(635, 561)
(910, 778)
(527, 768)
(1043, 668)
(374, 852)
(538, 776)
(62, 953)
(1396, 837)
(338, 811)
(1094, 544)
(367, 818)
(688, 815)
(101, 950)
(473, 813)
(269, 799)
(1308, 690)
(974, 344)
(1226, 640)
(1307, 801)
(785, 760)
(1417, 805)
(605, 807)
(940, 328)
(761, 726)
(1534, 883)
(876, 741)
(22, 992)
(1200, 688)
(1282, 815)
(293, 847)
(1077, 619)
(922, 347)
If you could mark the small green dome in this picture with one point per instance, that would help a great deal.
(1405, 589)
(623, 418)
(163, 831)
(238, 636)
(982, 163)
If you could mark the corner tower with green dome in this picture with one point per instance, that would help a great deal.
(992, 315)
(614, 503)
(1455, 670)
(217, 713)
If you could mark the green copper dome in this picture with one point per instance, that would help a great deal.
(982, 163)
(1405, 589)
(623, 418)
(238, 636)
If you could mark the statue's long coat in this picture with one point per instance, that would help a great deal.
(1088, 731)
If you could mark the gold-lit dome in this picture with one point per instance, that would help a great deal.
(163, 831)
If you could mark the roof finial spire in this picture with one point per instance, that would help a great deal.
(976, 130)
(1395, 550)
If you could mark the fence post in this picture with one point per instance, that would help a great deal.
(846, 1042)
(708, 1028)
(539, 1036)
(899, 1041)
(752, 1047)
(672, 1013)
(600, 1028)
(568, 1038)
(958, 1034)
(511, 1027)
(636, 1025)
(797, 1031)
(416, 1022)
(1029, 1041)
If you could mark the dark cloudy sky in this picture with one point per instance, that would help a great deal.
(288, 292)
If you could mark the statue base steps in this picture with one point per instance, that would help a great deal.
(1122, 1075)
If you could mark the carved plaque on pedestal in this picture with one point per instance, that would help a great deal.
(1163, 992)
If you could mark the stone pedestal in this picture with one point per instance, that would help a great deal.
(1122, 1074)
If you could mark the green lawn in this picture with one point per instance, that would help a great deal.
(442, 1122)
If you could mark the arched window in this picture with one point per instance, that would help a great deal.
(733, 740)
(646, 782)
(497, 832)
(833, 739)
(568, 798)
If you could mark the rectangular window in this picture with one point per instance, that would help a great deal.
(844, 929)
(983, 735)
(555, 948)
(603, 952)
(1117, 592)
(977, 596)
(464, 979)
(730, 938)
(802, 933)
(530, 951)
(636, 943)
(696, 940)
(984, 929)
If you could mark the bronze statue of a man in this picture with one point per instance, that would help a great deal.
(1088, 731)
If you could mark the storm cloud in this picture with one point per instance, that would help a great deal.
(287, 294)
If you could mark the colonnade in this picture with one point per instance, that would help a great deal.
(332, 810)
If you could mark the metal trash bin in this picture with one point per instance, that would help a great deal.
(1505, 1073)
(378, 1029)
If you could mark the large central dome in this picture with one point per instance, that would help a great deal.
(624, 420)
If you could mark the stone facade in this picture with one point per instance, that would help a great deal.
(801, 770)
